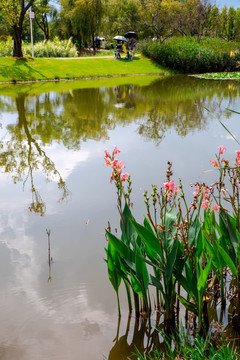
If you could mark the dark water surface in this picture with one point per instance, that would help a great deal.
(53, 178)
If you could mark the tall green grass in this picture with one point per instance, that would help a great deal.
(189, 55)
(183, 347)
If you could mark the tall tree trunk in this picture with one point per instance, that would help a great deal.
(17, 41)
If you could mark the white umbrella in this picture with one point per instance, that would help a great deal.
(121, 38)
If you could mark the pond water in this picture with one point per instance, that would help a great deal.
(53, 179)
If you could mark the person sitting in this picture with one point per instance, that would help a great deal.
(118, 50)
(129, 56)
(123, 47)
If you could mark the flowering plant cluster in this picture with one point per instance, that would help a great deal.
(170, 240)
(117, 175)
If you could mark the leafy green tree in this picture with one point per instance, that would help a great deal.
(15, 14)
(195, 15)
(214, 21)
(122, 17)
(5, 29)
(223, 23)
(230, 23)
(237, 25)
(81, 19)
(43, 12)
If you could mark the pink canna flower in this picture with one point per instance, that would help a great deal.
(107, 162)
(115, 150)
(214, 163)
(198, 189)
(205, 205)
(170, 186)
(114, 163)
(107, 155)
(238, 158)
(120, 165)
(215, 208)
(221, 149)
(124, 176)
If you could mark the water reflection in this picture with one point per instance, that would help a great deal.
(76, 309)
(75, 116)
(78, 115)
(22, 155)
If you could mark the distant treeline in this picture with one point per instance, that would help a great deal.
(83, 20)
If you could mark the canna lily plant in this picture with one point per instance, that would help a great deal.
(177, 247)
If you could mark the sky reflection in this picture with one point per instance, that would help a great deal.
(74, 315)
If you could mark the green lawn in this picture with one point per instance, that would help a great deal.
(51, 68)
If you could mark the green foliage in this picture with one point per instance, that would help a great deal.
(192, 250)
(189, 55)
(6, 47)
(55, 48)
(187, 348)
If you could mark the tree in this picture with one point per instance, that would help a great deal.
(15, 12)
(230, 23)
(237, 25)
(223, 21)
(122, 17)
(42, 11)
(195, 16)
(214, 21)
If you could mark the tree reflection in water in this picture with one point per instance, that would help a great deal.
(21, 155)
(75, 116)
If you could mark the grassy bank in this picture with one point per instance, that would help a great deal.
(13, 70)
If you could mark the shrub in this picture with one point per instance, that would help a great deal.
(188, 55)
(55, 48)
(6, 47)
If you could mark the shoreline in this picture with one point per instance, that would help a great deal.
(13, 82)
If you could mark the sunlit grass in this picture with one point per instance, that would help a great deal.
(55, 69)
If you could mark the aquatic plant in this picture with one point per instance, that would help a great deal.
(178, 246)
(188, 348)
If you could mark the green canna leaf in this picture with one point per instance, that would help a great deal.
(123, 250)
(155, 282)
(188, 305)
(136, 285)
(113, 274)
(171, 260)
(149, 239)
(128, 232)
(228, 260)
(202, 280)
(147, 225)
(141, 270)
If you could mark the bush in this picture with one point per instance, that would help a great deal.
(6, 47)
(188, 55)
(55, 48)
